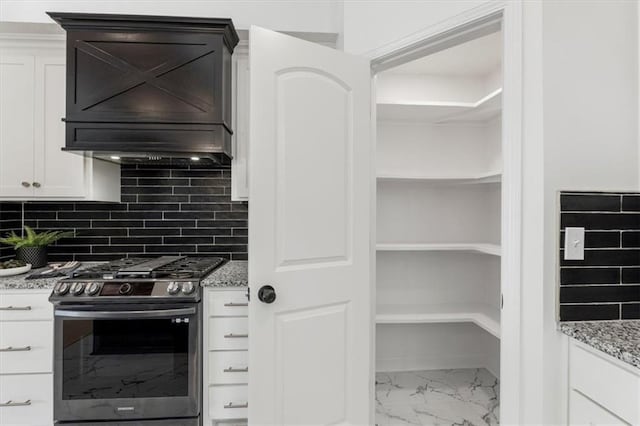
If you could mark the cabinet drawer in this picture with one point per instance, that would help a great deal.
(32, 395)
(604, 381)
(228, 333)
(228, 402)
(25, 306)
(228, 303)
(26, 347)
(228, 367)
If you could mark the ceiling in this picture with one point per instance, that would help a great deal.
(477, 57)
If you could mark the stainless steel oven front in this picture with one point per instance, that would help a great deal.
(127, 361)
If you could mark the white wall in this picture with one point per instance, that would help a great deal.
(370, 25)
(590, 56)
(283, 15)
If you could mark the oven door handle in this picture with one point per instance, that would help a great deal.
(125, 314)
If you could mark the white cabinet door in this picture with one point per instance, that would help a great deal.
(57, 173)
(16, 124)
(583, 411)
(310, 191)
(239, 164)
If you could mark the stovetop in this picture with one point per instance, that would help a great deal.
(137, 280)
(165, 267)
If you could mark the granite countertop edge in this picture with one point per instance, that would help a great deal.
(619, 339)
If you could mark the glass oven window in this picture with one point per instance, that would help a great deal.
(125, 358)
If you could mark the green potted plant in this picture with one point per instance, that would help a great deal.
(32, 248)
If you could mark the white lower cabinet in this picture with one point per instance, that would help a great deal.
(226, 357)
(602, 389)
(26, 354)
(586, 412)
(26, 399)
(228, 402)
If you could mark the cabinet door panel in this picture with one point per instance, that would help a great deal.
(583, 411)
(16, 125)
(60, 174)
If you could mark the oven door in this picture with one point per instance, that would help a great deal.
(118, 361)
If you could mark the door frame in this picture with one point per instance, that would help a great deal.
(473, 23)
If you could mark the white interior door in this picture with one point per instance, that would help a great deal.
(311, 184)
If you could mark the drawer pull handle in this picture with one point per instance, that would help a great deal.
(234, 405)
(236, 370)
(235, 336)
(12, 349)
(234, 304)
(15, 308)
(15, 404)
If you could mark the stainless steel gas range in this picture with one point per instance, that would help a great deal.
(128, 340)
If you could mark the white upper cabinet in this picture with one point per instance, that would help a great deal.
(239, 164)
(32, 104)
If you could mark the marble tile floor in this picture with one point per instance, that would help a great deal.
(468, 397)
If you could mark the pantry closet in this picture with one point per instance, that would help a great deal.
(438, 266)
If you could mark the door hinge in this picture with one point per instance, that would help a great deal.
(249, 294)
(501, 301)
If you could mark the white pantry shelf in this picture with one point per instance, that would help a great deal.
(484, 316)
(482, 110)
(489, 177)
(492, 249)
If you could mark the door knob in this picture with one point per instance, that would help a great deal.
(267, 294)
(36, 184)
(26, 184)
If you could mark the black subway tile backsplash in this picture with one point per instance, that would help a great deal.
(631, 311)
(606, 284)
(631, 239)
(631, 203)
(590, 203)
(601, 221)
(599, 293)
(591, 312)
(631, 275)
(572, 276)
(164, 210)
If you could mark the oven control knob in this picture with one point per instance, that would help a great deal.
(77, 289)
(188, 287)
(173, 287)
(92, 289)
(61, 289)
(125, 289)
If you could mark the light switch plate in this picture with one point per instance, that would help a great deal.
(573, 243)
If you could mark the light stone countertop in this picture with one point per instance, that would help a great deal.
(231, 274)
(620, 339)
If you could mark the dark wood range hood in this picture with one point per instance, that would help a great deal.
(148, 86)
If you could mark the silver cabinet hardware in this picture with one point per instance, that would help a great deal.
(25, 184)
(15, 403)
(12, 349)
(15, 308)
(236, 370)
(36, 184)
(234, 304)
(235, 336)
(235, 405)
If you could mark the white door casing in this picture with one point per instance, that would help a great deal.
(310, 186)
